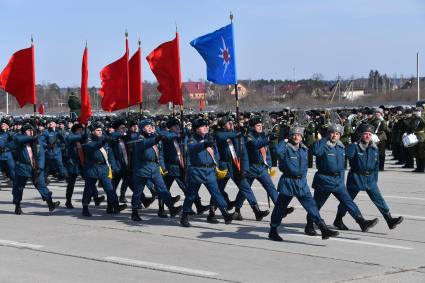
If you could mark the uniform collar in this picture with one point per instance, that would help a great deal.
(338, 143)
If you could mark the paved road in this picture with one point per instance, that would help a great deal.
(64, 247)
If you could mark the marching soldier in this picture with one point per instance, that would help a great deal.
(30, 164)
(418, 126)
(97, 167)
(148, 162)
(203, 161)
(6, 146)
(329, 179)
(380, 125)
(363, 176)
(234, 158)
(293, 183)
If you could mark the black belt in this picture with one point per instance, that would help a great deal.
(100, 163)
(259, 164)
(204, 166)
(291, 176)
(151, 161)
(365, 173)
(4, 150)
(335, 174)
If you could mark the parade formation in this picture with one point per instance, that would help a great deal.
(137, 151)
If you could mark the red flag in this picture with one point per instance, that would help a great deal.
(164, 62)
(18, 77)
(201, 104)
(41, 109)
(135, 71)
(85, 98)
(115, 80)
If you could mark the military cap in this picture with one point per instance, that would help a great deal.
(172, 122)
(254, 120)
(118, 122)
(199, 123)
(336, 128)
(145, 122)
(96, 125)
(77, 126)
(27, 126)
(366, 128)
(296, 130)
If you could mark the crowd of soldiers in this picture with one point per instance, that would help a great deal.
(136, 151)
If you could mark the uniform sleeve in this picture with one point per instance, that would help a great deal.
(350, 151)
(319, 147)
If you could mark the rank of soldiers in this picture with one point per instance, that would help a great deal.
(135, 151)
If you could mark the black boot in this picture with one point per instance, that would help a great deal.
(289, 210)
(174, 210)
(86, 212)
(228, 217)
(237, 215)
(274, 235)
(393, 222)
(147, 201)
(122, 199)
(99, 200)
(231, 205)
(175, 199)
(211, 217)
(117, 208)
(18, 210)
(364, 224)
(135, 215)
(309, 228)
(161, 210)
(326, 232)
(109, 209)
(339, 224)
(184, 221)
(200, 209)
(259, 214)
(53, 205)
(68, 203)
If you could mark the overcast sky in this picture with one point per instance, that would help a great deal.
(283, 39)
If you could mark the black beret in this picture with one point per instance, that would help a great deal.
(172, 122)
(77, 126)
(199, 123)
(254, 120)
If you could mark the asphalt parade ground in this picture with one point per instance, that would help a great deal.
(65, 247)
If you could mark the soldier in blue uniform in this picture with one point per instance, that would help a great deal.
(98, 164)
(293, 162)
(260, 164)
(147, 163)
(234, 158)
(174, 159)
(54, 141)
(203, 160)
(329, 179)
(30, 161)
(75, 162)
(363, 157)
(7, 163)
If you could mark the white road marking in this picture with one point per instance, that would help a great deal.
(396, 197)
(410, 216)
(159, 266)
(358, 242)
(20, 245)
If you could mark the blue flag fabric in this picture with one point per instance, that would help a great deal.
(218, 50)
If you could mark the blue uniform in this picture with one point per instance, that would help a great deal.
(54, 142)
(201, 170)
(96, 168)
(146, 158)
(258, 165)
(6, 159)
(330, 177)
(293, 162)
(26, 168)
(363, 175)
(224, 140)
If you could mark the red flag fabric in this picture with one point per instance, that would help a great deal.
(41, 109)
(135, 71)
(115, 80)
(18, 77)
(164, 62)
(201, 104)
(85, 112)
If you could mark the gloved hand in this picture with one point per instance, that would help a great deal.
(208, 143)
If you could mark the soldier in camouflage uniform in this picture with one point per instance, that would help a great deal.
(378, 122)
(418, 126)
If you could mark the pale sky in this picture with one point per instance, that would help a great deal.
(274, 39)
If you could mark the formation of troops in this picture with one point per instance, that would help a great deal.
(133, 151)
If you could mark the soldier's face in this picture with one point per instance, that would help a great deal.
(229, 126)
(52, 125)
(122, 129)
(334, 136)
(149, 129)
(97, 133)
(366, 137)
(4, 126)
(202, 130)
(29, 132)
(258, 128)
(297, 138)
(134, 128)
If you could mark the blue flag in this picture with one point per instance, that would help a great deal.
(218, 50)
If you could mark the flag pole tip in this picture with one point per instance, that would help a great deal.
(126, 33)
(140, 42)
(86, 43)
(231, 16)
(176, 27)
(32, 39)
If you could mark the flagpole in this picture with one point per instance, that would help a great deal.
(7, 103)
(128, 73)
(35, 102)
(141, 95)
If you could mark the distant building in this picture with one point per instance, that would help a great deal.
(242, 92)
(195, 90)
(352, 94)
